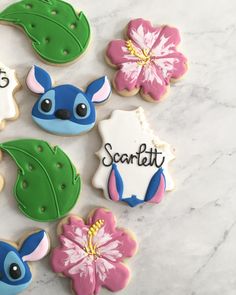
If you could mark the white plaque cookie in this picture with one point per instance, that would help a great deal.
(8, 86)
(133, 161)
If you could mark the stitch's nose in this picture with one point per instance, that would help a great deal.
(62, 114)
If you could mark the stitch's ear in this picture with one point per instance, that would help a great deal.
(35, 246)
(38, 80)
(115, 184)
(99, 90)
(156, 187)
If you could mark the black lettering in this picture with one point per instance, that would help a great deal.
(106, 146)
(4, 81)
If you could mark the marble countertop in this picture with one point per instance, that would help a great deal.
(187, 243)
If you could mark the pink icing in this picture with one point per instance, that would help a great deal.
(113, 193)
(89, 272)
(39, 252)
(154, 61)
(160, 192)
(103, 92)
(32, 83)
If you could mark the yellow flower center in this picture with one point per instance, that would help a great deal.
(143, 55)
(91, 249)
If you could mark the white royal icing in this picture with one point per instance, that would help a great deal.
(126, 131)
(8, 84)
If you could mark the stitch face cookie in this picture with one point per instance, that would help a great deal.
(91, 254)
(58, 33)
(47, 186)
(8, 87)
(15, 272)
(65, 109)
(133, 161)
(147, 60)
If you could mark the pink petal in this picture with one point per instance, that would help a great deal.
(126, 78)
(113, 278)
(172, 66)
(76, 231)
(66, 256)
(107, 217)
(166, 42)
(58, 259)
(118, 53)
(83, 277)
(121, 246)
(152, 82)
(142, 33)
(102, 237)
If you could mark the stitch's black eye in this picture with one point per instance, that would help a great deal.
(46, 105)
(81, 109)
(15, 271)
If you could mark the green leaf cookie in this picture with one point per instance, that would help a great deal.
(47, 185)
(59, 35)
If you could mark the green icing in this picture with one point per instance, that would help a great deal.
(47, 185)
(59, 35)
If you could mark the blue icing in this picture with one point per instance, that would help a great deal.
(6, 289)
(64, 101)
(154, 184)
(31, 243)
(80, 98)
(119, 181)
(96, 86)
(43, 78)
(15, 281)
(133, 201)
(65, 97)
(8, 285)
(66, 127)
(12, 257)
(38, 110)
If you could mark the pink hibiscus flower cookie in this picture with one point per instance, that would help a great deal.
(147, 60)
(92, 254)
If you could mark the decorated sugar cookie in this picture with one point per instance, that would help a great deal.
(133, 161)
(1, 183)
(15, 271)
(8, 86)
(65, 109)
(92, 254)
(147, 60)
(47, 186)
(58, 33)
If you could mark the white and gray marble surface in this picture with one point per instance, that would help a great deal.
(188, 242)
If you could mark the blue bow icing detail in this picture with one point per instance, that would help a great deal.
(154, 193)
